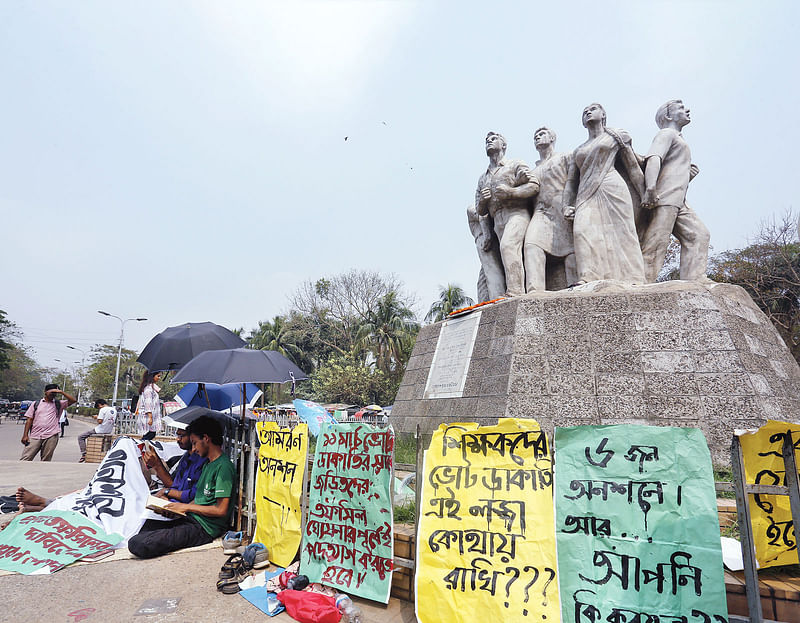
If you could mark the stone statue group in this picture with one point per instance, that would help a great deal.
(601, 212)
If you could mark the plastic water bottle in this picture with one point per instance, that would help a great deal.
(350, 612)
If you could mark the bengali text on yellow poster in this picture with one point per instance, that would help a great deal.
(771, 515)
(281, 465)
(486, 548)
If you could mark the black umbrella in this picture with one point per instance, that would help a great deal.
(239, 365)
(174, 347)
(187, 415)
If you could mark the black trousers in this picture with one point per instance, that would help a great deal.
(157, 538)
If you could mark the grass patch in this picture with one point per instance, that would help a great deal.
(407, 513)
(731, 531)
(724, 474)
(405, 448)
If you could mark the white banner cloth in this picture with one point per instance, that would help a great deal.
(116, 495)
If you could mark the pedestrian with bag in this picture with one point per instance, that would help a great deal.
(41, 432)
(63, 422)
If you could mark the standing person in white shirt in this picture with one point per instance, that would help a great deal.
(106, 418)
(148, 409)
(62, 422)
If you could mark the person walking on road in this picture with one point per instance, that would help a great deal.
(41, 431)
(106, 418)
(148, 409)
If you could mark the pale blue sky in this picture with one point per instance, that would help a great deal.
(197, 148)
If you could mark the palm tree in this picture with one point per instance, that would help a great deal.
(388, 331)
(276, 335)
(451, 297)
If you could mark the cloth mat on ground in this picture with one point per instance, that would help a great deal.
(258, 596)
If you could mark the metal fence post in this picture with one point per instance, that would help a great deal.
(746, 533)
(790, 465)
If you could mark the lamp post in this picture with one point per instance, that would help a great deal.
(119, 351)
(83, 359)
(64, 380)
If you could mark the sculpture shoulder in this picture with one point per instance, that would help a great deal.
(624, 136)
(667, 134)
(515, 164)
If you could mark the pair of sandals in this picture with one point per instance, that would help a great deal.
(232, 572)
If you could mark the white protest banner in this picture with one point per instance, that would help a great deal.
(116, 495)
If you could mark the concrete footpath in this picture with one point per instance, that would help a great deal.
(114, 591)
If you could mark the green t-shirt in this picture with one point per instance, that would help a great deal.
(216, 481)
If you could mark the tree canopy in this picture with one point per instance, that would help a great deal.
(769, 269)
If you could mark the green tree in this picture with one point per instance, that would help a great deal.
(23, 378)
(276, 335)
(451, 297)
(769, 270)
(388, 332)
(336, 307)
(101, 372)
(348, 380)
(8, 331)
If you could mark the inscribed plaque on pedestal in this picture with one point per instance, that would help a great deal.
(451, 358)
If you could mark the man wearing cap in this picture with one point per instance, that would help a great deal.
(42, 429)
(105, 419)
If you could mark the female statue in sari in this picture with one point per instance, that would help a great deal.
(599, 200)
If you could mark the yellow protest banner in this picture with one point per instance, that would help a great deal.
(281, 465)
(486, 548)
(771, 515)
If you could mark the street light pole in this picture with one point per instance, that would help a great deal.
(119, 351)
(66, 370)
(83, 359)
(64, 380)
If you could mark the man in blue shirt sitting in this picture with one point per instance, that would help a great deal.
(179, 486)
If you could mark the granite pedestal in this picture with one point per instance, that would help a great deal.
(668, 354)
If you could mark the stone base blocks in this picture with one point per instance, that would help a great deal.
(670, 354)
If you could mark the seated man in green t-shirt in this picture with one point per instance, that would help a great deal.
(208, 514)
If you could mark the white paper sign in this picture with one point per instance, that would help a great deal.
(451, 359)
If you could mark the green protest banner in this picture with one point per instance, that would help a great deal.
(348, 538)
(40, 543)
(636, 526)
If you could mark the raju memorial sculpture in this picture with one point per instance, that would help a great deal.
(600, 212)
(615, 348)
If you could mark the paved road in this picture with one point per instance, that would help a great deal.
(66, 451)
(114, 591)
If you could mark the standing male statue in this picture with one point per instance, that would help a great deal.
(491, 279)
(549, 234)
(667, 174)
(503, 193)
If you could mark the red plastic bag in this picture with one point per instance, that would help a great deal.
(308, 607)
